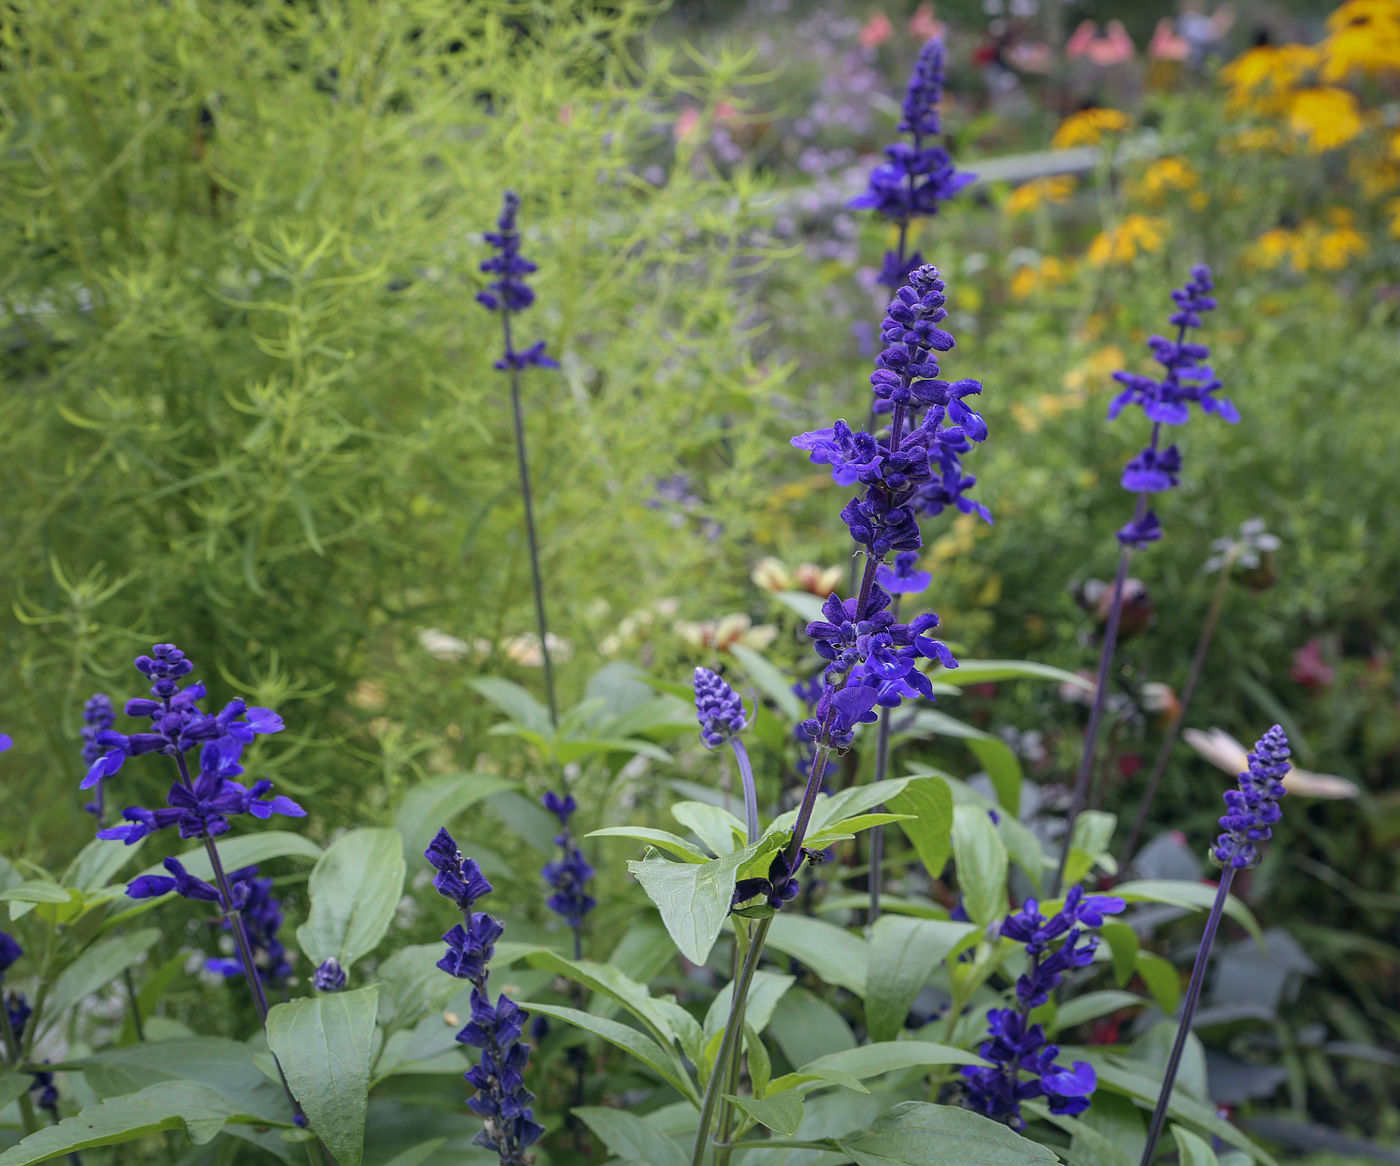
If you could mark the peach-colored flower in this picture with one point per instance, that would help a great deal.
(819, 581)
(723, 634)
(1166, 44)
(1223, 751)
(924, 24)
(876, 31)
(687, 122)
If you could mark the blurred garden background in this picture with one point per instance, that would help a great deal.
(250, 407)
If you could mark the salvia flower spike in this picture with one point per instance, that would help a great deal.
(1024, 1064)
(98, 716)
(568, 874)
(1251, 810)
(720, 711)
(1165, 401)
(916, 176)
(502, 1099)
(509, 294)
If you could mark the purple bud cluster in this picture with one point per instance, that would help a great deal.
(262, 919)
(915, 177)
(200, 806)
(569, 874)
(718, 708)
(495, 1029)
(1023, 1062)
(329, 976)
(1166, 401)
(98, 716)
(508, 292)
(1252, 809)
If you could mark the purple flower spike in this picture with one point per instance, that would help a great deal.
(1253, 809)
(329, 977)
(718, 708)
(509, 292)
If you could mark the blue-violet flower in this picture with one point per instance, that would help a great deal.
(1252, 809)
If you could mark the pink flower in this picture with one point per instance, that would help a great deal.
(924, 25)
(1114, 47)
(1166, 45)
(686, 122)
(876, 31)
(1309, 667)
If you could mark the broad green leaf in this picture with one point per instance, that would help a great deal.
(713, 826)
(1161, 980)
(1154, 1048)
(1003, 768)
(527, 819)
(1123, 942)
(1023, 848)
(1091, 1006)
(37, 891)
(760, 1065)
(693, 899)
(515, 702)
(764, 993)
(836, 955)
(610, 982)
(223, 1065)
(773, 684)
(417, 1155)
(852, 802)
(13, 1085)
(323, 1044)
(971, 672)
(152, 993)
(355, 888)
(1190, 897)
(437, 802)
(630, 1138)
(1194, 1150)
(850, 827)
(1115, 1075)
(245, 850)
(171, 1105)
(662, 839)
(1093, 836)
(782, 1113)
(931, 832)
(411, 985)
(1103, 1151)
(807, 1027)
(804, 603)
(915, 1133)
(895, 904)
(98, 862)
(904, 953)
(99, 965)
(628, 1039)
(874, 1060)
(982, 864)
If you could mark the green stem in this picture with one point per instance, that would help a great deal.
(732, 1029)
(131, 1000)
(26, 1106)
(725, 1122)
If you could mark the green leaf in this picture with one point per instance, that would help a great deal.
(693, 899)
(773, 684)
(37, 891)
(782, 1113)
(1115, 1075)
(323, 1044)
(610, 982)
(417, 1155)
(1023, 848)
(1093, 836)
(1004, 769)
(630, 1138)
(1194, 1150)
(760, 1065)
(1103, 1150)
(100, 964)
(170, 1105)
(1154, 1048)
(411, 985)
(764, 993)
(516, 703)
(629, 1040)
(850, 827)
(804, 603)
(904, 954)
(355, 889)
(713, 826)
(662, 839)
(98, 863)
(915, 1133)
(833, 953)
(931, 832)
(807, 1027)
(1190, 897)
(1091, 1006)
(1123, 942)
(875, 1060)
(527, 819)
(437, 802)
(982, 864)
(13, 1086)
(1161, 980)
(970, 672)
(245, 850)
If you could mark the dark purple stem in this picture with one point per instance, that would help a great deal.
(750, 792)
(1188, 1011)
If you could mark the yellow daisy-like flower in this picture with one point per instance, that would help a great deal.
(1311, 245)
(1088, 127)
(1375, 176)
(1033, 277)
(1165, 177)
(1030, 195)
(1135, 234)
(1261, 78)
(1365, 37)
(1273, 247)
(1326, 117)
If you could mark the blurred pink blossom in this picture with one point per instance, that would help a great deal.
(1113, 47)
(1309, 667)
(686, 122)
(1166, 44)
(876, 31)
(924, 24)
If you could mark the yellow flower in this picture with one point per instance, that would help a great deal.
(1088, 127)
(1165, 176)
(1272, 248)
(1134, 234)
(1334, 249)
(1326, 116)
(1033, 277)
(1311, 245)
(1030, 195)
(1375, 176)
(1392, 208)
(1260, 78)
(1257, 139)
(1365, 36)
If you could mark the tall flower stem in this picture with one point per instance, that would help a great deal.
(1198, 660)
(1188, 1012)
(733, 1029)
(877, 833)
(527, 498)
(741, 756)
(1096, 711)
(724, 1124)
